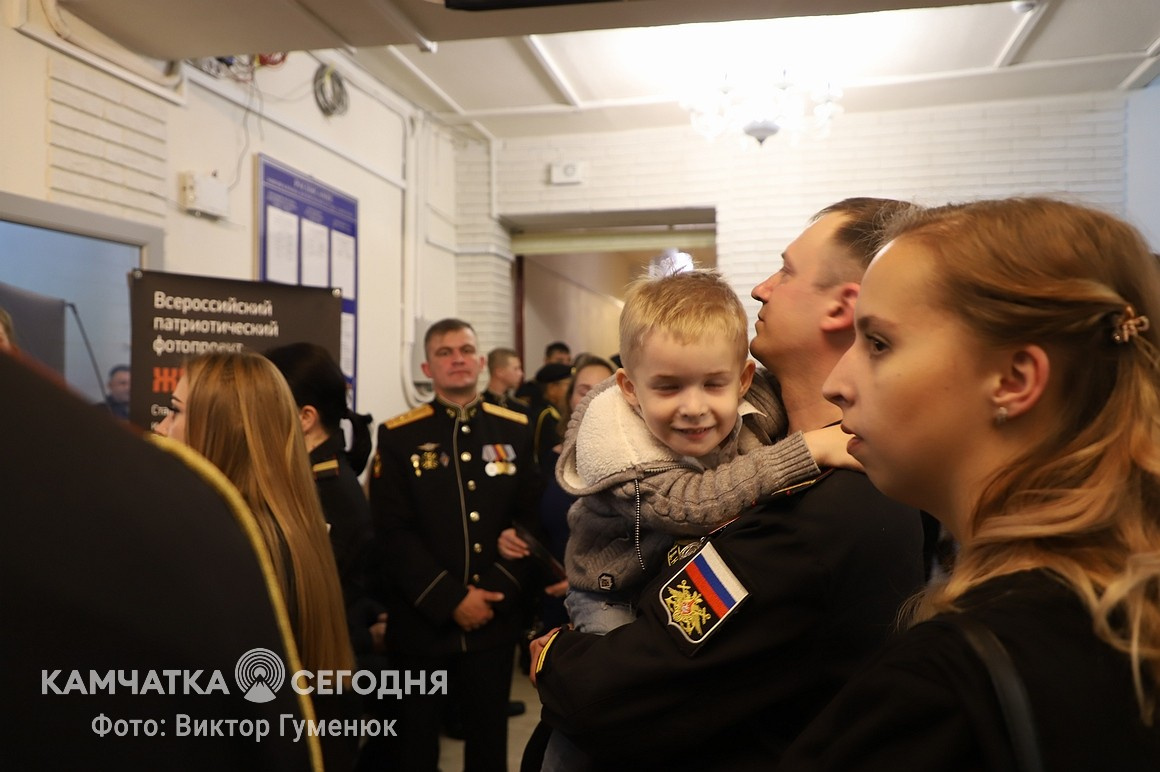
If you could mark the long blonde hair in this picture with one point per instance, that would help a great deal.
(1084, 500)
(242, 417)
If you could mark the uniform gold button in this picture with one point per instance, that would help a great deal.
(465, 456)
(474, 517)
(465, 429)
(475, 578)
(477, 547)
(471, 485)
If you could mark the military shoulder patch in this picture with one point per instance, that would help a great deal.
(410, 416)
(325, 469)
(701, 595)
(504, 412)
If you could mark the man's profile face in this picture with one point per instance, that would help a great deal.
(792, 304)
(558, 357)
(453, 361)
(119, 386)
(510, 374)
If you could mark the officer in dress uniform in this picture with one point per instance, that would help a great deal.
(447, 478)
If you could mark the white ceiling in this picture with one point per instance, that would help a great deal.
(625, 64)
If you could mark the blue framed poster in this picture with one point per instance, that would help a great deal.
(308, 235)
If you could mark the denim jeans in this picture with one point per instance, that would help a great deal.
(595, 612)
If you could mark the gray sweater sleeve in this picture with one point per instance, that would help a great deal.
(688, 497)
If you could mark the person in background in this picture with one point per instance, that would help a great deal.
(117, 392)
(446, 478)
(1006, 379)
(320, 392)
(505, 374)
(553, 380)
(557, 352)
(237, 411)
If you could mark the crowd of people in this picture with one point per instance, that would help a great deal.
(728, 564)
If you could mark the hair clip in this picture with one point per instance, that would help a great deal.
(1129, 325)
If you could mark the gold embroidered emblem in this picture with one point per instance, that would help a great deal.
(430, 459)
(685, 608)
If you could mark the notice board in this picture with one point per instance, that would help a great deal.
(308, 236)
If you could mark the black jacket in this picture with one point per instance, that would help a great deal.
(445, 482)
(819, 576)
(345, 507)
(927, 701)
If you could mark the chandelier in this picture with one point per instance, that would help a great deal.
(762, 109)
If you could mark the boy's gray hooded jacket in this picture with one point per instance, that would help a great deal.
(638, 496)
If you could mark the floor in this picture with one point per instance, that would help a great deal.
(519, 728)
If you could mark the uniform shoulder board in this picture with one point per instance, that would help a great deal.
(504, 412)
(324, 469)
(410, 416)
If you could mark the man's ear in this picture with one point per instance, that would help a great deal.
(426, 368)
(840, 307)
(747, 371)
(627, 387)
(1023, 376)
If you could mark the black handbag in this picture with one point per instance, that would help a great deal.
(1009, 688)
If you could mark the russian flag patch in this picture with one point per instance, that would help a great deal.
(701, 595)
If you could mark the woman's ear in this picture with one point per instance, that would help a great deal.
(627, 387)
(308, 415)
(1024, 373)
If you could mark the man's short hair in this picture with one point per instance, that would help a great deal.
(554, 347)
(861, 234)
(690, 306)
(499, 357)
(442, 327)
(117, 369)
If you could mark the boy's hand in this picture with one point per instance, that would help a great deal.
(828, 447)
(511, 546)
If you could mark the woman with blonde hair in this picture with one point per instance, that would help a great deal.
(1006, 378)
(237, 411)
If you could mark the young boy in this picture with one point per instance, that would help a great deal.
(677, 444)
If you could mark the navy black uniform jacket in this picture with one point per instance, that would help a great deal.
(822, 572)
(445, 482)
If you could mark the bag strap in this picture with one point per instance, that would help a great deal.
(1009, 688)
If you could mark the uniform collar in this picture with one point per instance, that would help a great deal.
(329, 448)
(458, 412)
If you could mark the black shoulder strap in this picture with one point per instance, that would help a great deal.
(1009, 688)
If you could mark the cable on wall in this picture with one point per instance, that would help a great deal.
(330, 91)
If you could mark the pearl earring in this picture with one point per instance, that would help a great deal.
(1000, 417)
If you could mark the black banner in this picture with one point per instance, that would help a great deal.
(175, 317)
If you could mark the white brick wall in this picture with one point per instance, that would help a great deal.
(107, 144)
(486, 291)
(763, 196)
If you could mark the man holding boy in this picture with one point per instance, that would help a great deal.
(736, 648)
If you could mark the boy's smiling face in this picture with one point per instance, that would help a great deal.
(687, 393)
